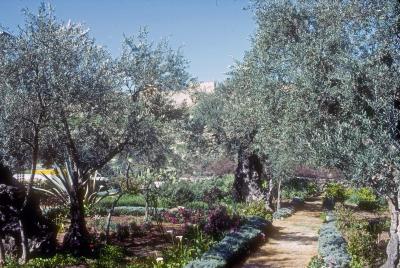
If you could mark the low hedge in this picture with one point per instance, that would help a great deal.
(126, 210)
(233, 245)
(283, 213)
(125, 200)
(331, 245)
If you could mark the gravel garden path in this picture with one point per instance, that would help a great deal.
(293, 241)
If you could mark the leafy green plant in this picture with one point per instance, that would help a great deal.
(193, 192)
(110, 257)
(199, 205)
(299, 188)
(58, 216)
(335, 191)
(363, 197)
(316, 262)
(362, 246)
(178, 194)
(345, 217)
(361, 236)
(58, 260)
(185, 249)
(254, 209)
(130, 200)
(323, 216)
(62, 184)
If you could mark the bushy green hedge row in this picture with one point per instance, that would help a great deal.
(331, 245)
(118, 211)
(233, 245)
(189, 193)
(126, 211)
(125, 200)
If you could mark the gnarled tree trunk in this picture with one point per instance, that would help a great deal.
(76, 240)
(278, 200)
(2, 252)
(269, 196)
(392, 249)
(267, 175)
(247, 184)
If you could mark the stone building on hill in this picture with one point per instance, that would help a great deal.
(186, 97)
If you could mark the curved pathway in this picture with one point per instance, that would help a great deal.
(293, 241)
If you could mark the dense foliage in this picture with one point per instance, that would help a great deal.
(362, 237)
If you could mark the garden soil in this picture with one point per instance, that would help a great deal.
(292, 243)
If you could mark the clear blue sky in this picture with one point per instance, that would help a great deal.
(212, 33)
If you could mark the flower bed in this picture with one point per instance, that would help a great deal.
(233, 245)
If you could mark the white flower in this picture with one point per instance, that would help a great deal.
(179, 237)
(160, 259)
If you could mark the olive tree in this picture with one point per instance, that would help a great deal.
(343, 89)
(228, 118)
(92, 111)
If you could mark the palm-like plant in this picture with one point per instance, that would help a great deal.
(62, 183)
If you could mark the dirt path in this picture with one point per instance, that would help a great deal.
(293, 241)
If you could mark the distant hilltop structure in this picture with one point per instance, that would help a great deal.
(185, 97)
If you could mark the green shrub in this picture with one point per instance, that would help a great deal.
(193, 244)
(194, 191)
(59, 260)
(198, 205)
(58, 215)
(335, 191)
(128, 200)
(299, 188)
(323, 216)
(254, 209)
(364, 198)
(316, 262)
(110, 257)
(362, 246)
(290, 193)
(178, 194)
(361, 236)
(127, 211)
(345, 217)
